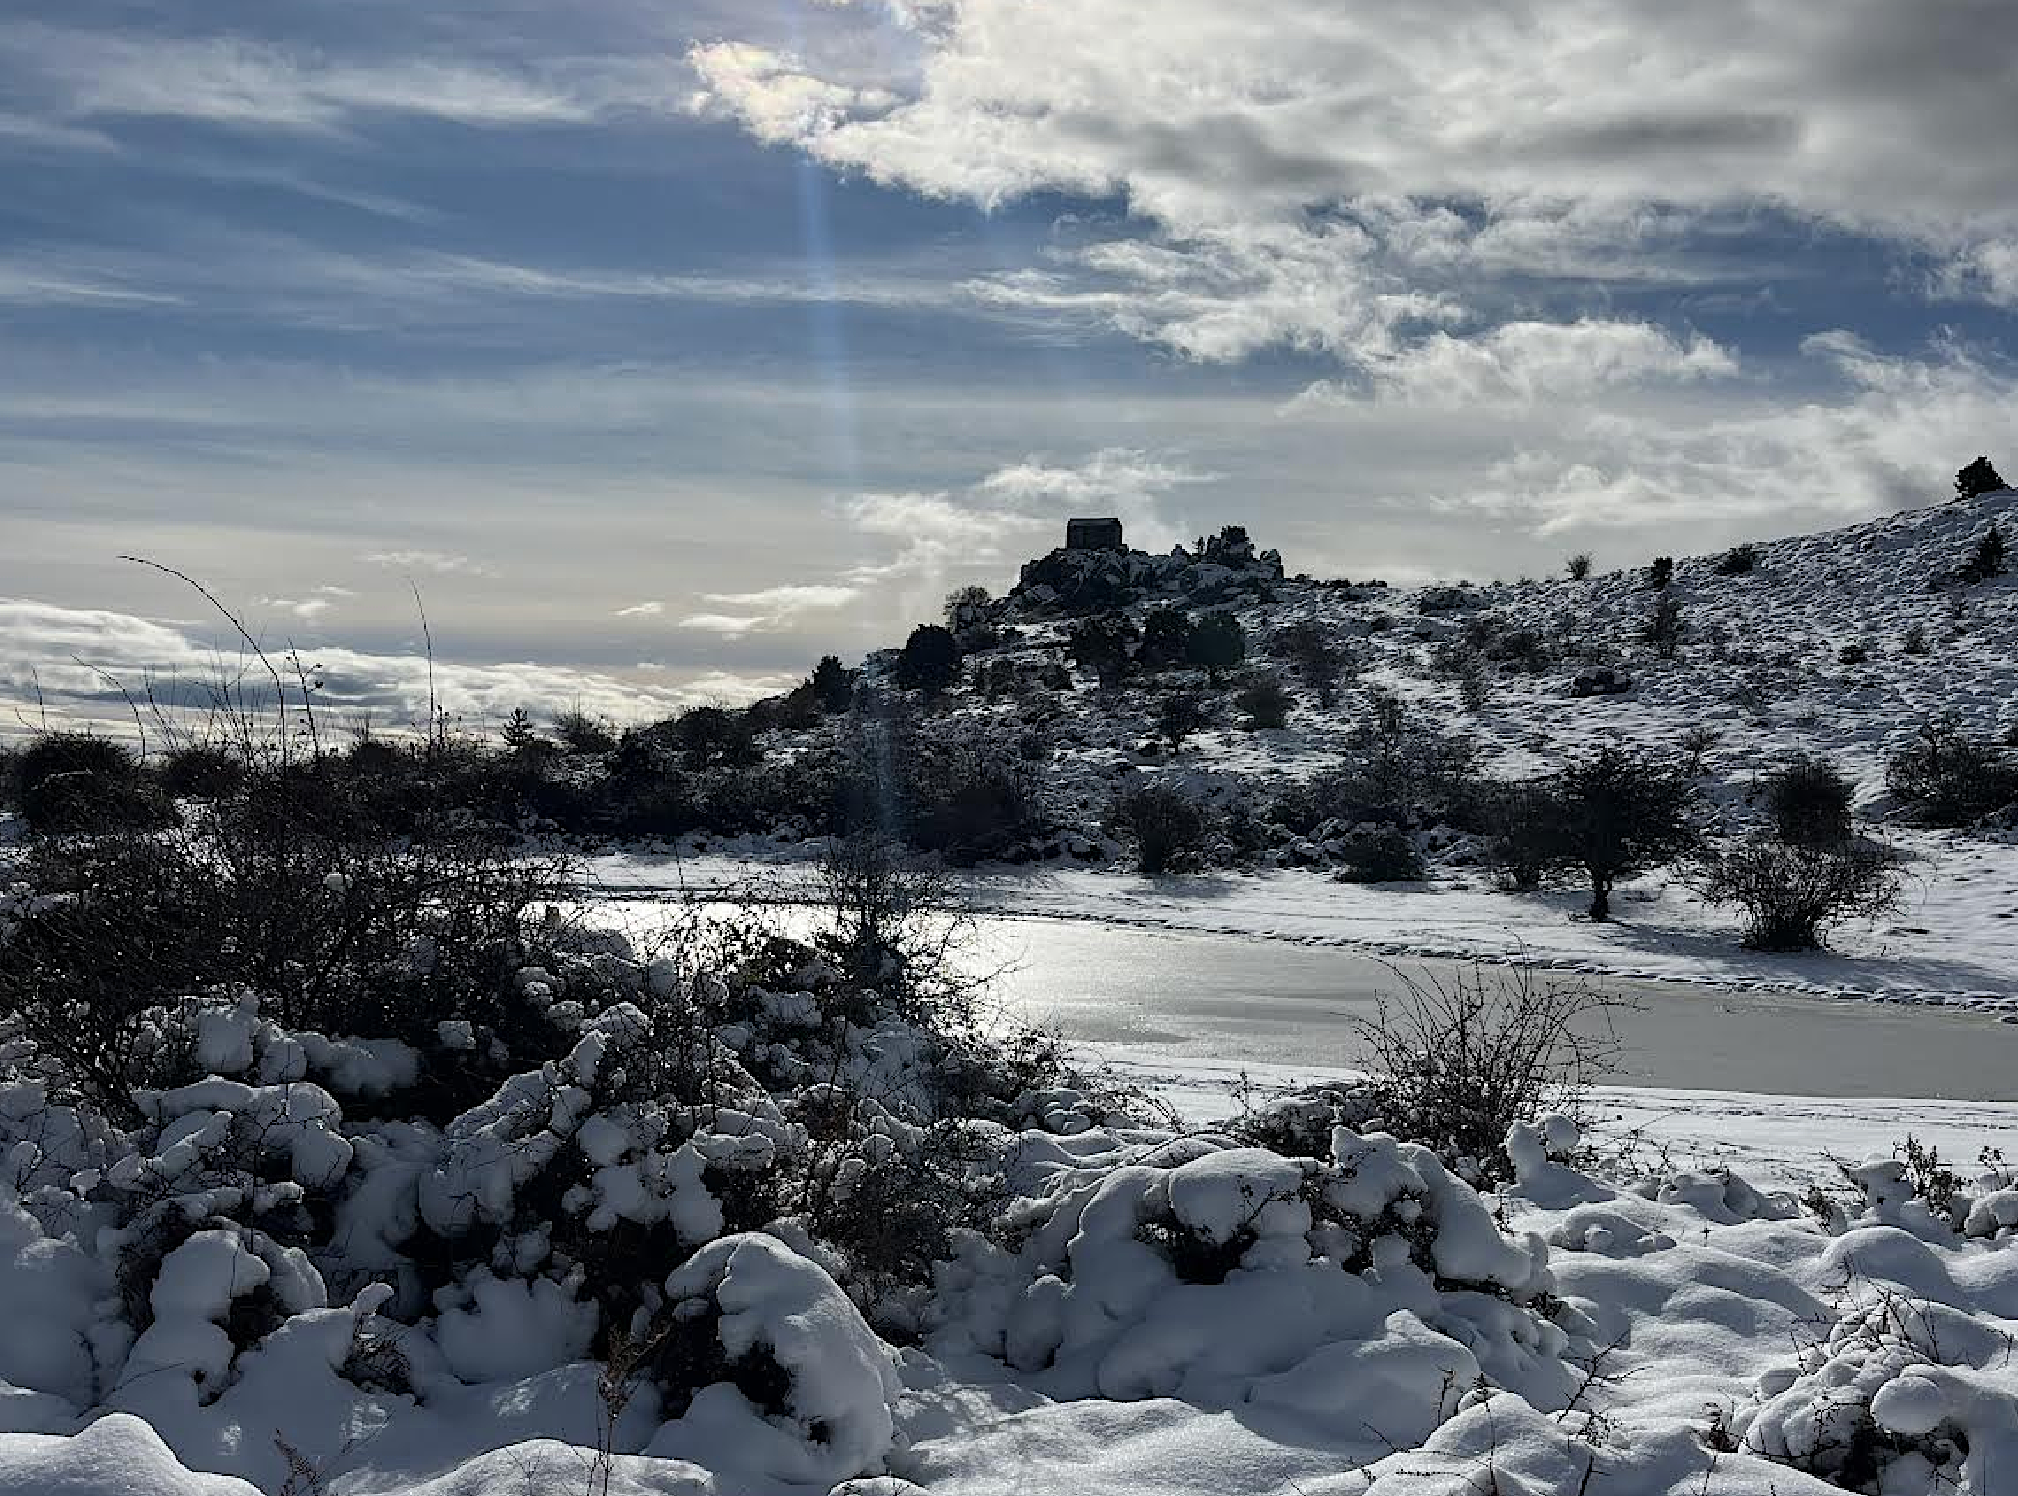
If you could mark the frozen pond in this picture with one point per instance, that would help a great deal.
(1224, 998)
(1166, 995)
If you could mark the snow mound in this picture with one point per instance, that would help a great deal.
(119, 1455)
(1224, 1274)
(776, 1319)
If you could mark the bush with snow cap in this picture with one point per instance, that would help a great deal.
(773, 1367)
(1901, 1394)
(1197, 1267)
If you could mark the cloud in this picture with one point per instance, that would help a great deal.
(791, 598)
(443, 563)
(733, 625)
(775, 98)
(642, 610)
(1345, 179)
(236, 81)
(1536, 362)
(1809, 462)
(72, 663)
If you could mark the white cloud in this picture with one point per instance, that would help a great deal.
(66, 661)
(642, 610)
(1532, 362)
(232, 81)
(732, 625)
(444, 563)
(1803, 463)
(1331, 177)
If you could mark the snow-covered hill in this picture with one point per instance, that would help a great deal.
(1762, 664)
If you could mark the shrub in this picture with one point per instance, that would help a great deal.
(1578, 566)
(1664, 628)
(929, 660)
(1985, 561)
(1455, 1062)
(970, 798)
(1383, 854)
(1166, 638)
(1738, 561)
(1319, 662)
(1661, 572)
(1394, 762)
(833, 685)
(1808, 801)
(581, 733)
(77, 781)
(1103, 645)
(1264, 702)
(1524, 840)
(1169, 829)
(285, 892)
(1790, 891)
(200, 771)
(1178, 715)
(1914, 640)
(1853, 653)
(1474, 684)
(1978, 477)
(1949, 778)
(1218, 644)
(1622, 813)
(966, 607)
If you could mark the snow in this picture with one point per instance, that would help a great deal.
(116, 1456)
(1689, 1288)
(843, 1382)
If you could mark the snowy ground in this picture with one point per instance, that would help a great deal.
(1954, 942)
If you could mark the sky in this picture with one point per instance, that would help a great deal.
(637, 354)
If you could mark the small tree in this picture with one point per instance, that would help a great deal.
(1218, 644)
(1578, 566)
(1789, 893)
(1315, 657)
(966, 606)
(1661, 572)
(1664, 628)
(518, 733)
(1170, 830)
(1622, 813)
(1979, 477)
(833, 685)
(930, 660)
(1949, 778)
(1166, 638)
(1809, 802)
(1986, 560)
(1738, 561)
(1178, 715)
(1104, 645)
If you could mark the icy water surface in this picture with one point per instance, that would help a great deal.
(1140, 993)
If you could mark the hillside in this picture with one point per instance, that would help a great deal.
(1761, 665)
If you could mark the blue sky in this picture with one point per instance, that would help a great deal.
(665, 347)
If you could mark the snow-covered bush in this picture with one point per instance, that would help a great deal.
(1899, 1393)
(1198, 1269)
(330, 925)
(767, 1367)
